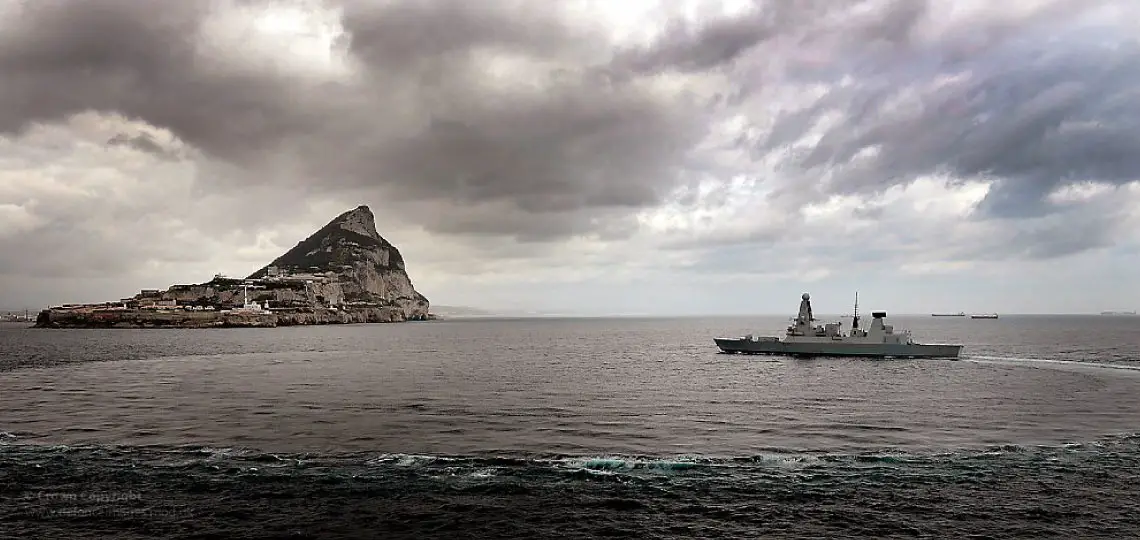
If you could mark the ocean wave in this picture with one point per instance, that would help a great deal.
(1081, 489)
(770, 461)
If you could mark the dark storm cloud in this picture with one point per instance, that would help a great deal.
(145, 143)
(549, 161)
(691, 47)
(1033, 114)
(400, 35)
(573, 136)
(61, 57)
(710, 44)
(423, 121)
(1069, 230)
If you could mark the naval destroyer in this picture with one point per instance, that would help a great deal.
(803, 338)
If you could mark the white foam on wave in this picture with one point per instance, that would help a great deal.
(788, 461)
(407, 460)
(682, 464)
(484, 473)
(215, 453)
(603, 464)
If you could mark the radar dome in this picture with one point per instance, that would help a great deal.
(806, 296)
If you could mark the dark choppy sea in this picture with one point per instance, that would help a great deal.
(568, 428)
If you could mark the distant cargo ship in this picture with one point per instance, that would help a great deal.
(1118, 313)
(985, 316)
(959, 314)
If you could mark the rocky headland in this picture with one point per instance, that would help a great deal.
(344, 273)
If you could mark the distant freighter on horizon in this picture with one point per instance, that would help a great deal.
(985, 316)
(959, 314)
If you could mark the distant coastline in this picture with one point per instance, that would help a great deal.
(17, 316)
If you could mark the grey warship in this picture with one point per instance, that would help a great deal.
(805, 339)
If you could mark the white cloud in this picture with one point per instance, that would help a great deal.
(1079, 193)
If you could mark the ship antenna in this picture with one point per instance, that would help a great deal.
(855, 323)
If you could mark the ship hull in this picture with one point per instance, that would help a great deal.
(864, 350)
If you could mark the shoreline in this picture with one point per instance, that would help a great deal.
(159, 319)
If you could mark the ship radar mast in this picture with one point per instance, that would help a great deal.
(855, 322)
(805, 315)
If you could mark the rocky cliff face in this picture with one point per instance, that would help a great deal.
(367, 267)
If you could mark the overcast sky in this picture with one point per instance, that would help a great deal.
(587, 156)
